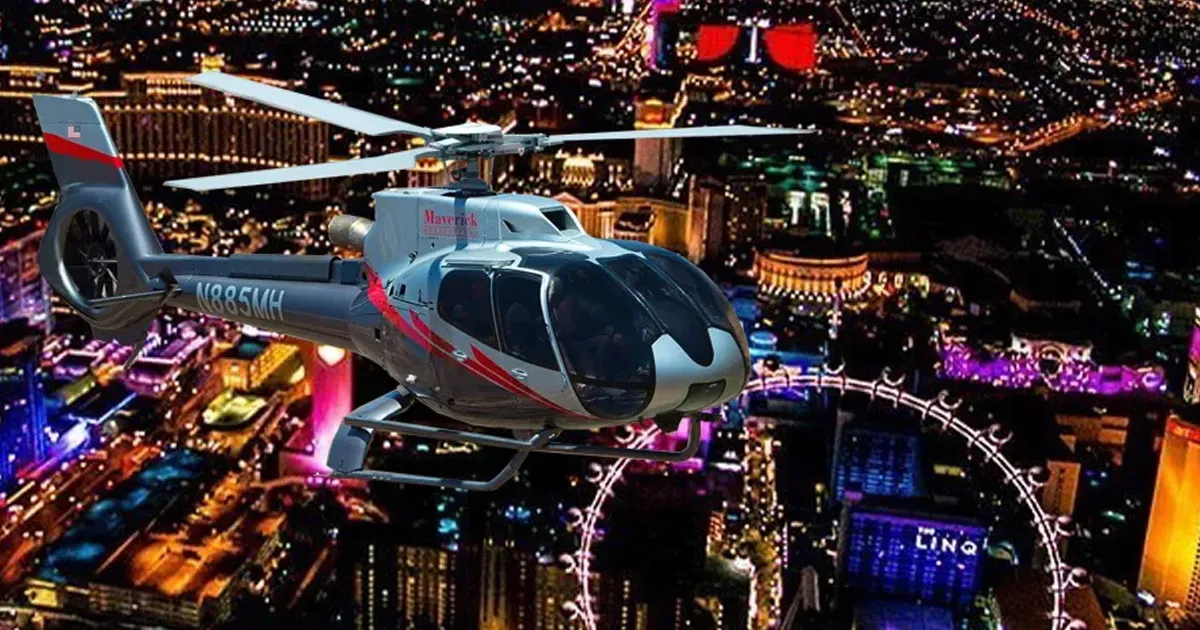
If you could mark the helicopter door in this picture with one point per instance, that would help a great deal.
(464, 321)
(467, 307)
(524, 334)
(405, 358)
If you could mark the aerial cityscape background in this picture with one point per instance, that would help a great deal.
(973, 300)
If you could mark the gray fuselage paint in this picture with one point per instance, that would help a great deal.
(317, 312)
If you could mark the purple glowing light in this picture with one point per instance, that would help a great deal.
(1017, 370)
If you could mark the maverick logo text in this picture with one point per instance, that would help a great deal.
(454, 225)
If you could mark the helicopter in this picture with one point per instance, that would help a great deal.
(496, 310)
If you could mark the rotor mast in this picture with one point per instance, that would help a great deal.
(465, 176)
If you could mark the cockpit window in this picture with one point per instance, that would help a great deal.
(523, 331)
(703, 291)
(465, 301)
(716, 308)
(560, 218)
(672, 307)
(605, 336)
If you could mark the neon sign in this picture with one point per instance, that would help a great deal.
(930, 539)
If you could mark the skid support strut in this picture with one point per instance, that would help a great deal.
(348, 452)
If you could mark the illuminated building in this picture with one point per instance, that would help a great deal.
(110, 563)
(715, 539)
(886, 615)
(706, 201)
(23, 430)
(331, 377)
(596, 217)
(581, 173)
(745, 207)
(1191, 384)
(876, 460)
(654, 158)
(167, 357)
(554, 588)
(796, 276)
(24, 294)
(166, 127)
(518, 591)
(659, 222)
(1095, 431)
(229, 410)
(1171, 558)
(251, 363)
(428, 173)
(664, 33)
(911, 555)
(399, 586)
(619, 608)
(1062, 487)
(424, 586)
(503, 573)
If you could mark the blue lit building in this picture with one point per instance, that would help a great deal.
(24, 294)
(23, 440)
(890, 615)
(877, 460)
(914, 556)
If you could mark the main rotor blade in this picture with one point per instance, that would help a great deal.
(391, 162)
(332, 113)
(680, 132)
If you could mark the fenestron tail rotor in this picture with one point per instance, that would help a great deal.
(466, 142)
(90, 256)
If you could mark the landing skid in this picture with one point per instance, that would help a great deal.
(347, 455)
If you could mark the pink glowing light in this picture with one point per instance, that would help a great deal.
(332, 399)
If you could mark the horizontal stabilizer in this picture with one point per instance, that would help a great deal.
(380, 164)
(332, 113)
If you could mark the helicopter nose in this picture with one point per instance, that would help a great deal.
(682, 384)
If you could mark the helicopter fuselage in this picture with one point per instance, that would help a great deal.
(497, 310)
(489, 326)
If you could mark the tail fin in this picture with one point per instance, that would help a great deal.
(98, 234)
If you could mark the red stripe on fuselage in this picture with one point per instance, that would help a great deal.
(424, 329)
(62, 146)
(491, 366)
(378, 298)
(477, 363)
(484, 366)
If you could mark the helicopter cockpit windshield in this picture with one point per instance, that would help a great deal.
(604, 333)
(605, 315)
(605, 336)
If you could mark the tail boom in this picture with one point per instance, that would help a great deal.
(309, 297)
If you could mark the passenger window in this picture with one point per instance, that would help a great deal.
(522, 323)
(465, 301)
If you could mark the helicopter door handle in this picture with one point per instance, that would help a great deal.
(460, 355)
(520, 374)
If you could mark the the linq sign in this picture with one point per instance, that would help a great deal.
(930, 539)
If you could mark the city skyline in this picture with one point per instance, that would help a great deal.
(971, 299)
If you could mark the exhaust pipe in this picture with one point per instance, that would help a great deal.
(349, 231)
